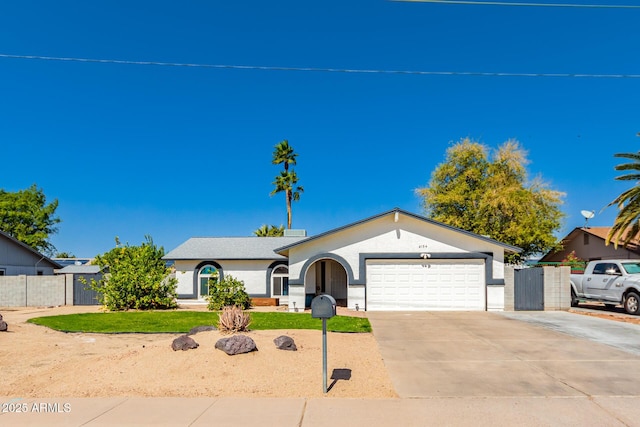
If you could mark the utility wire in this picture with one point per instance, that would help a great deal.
(324, 70)
(503, 3)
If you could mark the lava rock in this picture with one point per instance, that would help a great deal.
(284, 342)
(183, 342)
(236, 344)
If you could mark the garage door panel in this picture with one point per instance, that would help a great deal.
(425, 285)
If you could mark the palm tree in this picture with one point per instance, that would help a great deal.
(287, 180)
(628, 219)
(269, 231)
(283, 154)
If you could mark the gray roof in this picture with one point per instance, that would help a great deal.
(231, 248)
(80, 269)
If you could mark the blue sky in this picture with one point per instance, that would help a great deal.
(176, 152)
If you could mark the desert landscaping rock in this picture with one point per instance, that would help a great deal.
(3, 326)
(35, 363)
(198, 329)
(183, 342)
(284, 342)
(237, 344)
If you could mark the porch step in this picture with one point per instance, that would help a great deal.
(265, 302)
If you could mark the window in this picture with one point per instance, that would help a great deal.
(606, 268)
(585, 239)
(206, 274)
(631, 267)
(2, 271)
(280, 281)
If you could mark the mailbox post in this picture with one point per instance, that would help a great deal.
(323, 307)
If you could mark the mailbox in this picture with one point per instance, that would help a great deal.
(323, 307)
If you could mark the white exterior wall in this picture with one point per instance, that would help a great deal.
(495, 298)
(184, 276)
(382, 236)
(252, 272)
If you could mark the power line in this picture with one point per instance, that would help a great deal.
(502, 3)
(323, 70)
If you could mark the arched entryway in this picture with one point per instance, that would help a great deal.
(326, 276)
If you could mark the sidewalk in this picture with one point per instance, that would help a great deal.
(503, 411)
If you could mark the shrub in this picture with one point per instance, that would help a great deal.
(576, 263)
(137, 279)
(228, 291)
(232, 319)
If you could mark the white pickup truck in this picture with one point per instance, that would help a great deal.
(609, 281)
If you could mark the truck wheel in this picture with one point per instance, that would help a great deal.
(632, 303)
(574, 299)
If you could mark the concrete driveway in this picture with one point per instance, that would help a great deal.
(482, 354)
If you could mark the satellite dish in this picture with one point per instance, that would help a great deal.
(587, 216)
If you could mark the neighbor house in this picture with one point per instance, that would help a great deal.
(588, 243)
(396, 260)
(17, 258)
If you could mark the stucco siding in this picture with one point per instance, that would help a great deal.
(252, 272)
(383, 235)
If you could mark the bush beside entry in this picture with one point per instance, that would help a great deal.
(227, 292)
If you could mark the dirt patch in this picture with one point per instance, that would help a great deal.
(601, 312)
(39, 362)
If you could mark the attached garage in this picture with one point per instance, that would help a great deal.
(426, 284)
(399, 261)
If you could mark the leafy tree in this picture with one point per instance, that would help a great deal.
(491, 196)
(26, 216)
(227, 292)
(137, 278)
(626, 226)
(64, 255)
(288, 179)
(269, 231)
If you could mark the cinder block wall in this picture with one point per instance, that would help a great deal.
(46, 290)
(35, 291)
(509, 276)
(557, 288)
(13, 291)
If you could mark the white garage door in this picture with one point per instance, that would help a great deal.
(456, 284)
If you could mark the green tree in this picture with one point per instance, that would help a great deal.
(626, 226)
(64, 255)
(491, 196)
(269, 231)
(137, 278)
(288, 179)
(26, 216)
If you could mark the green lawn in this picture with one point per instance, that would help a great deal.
(183, 321)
